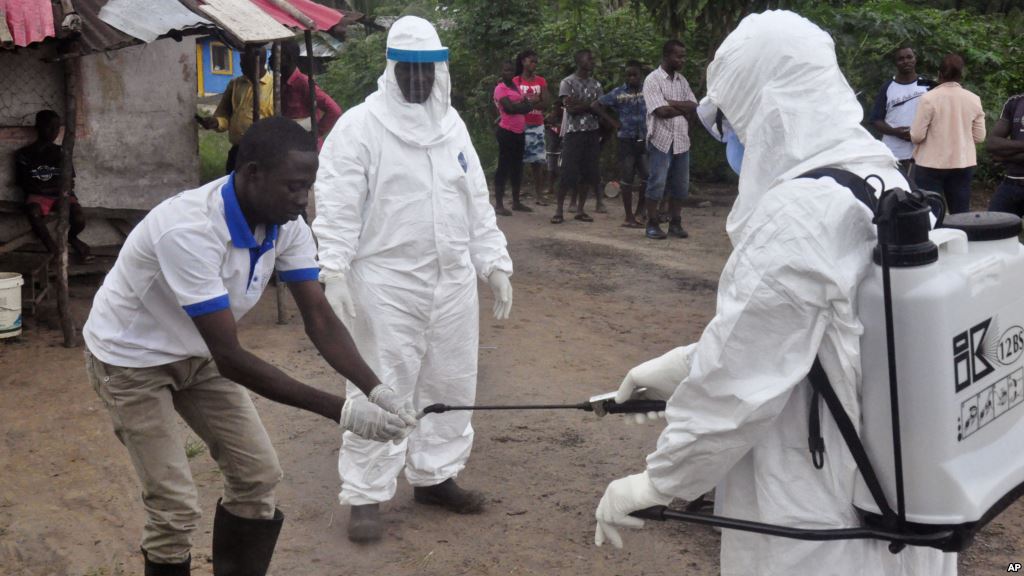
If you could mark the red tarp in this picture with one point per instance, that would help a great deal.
(28, 20)
(324, 18)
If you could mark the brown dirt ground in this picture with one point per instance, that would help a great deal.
(591, 301)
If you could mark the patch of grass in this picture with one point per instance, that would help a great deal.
(193, 448)
(213, 153)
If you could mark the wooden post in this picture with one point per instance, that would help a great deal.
(312, 87)
(71, 76)
(255, 82)
(282, 314)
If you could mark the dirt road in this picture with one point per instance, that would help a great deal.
(591, 301)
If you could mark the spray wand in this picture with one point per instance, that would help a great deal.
(601, 404)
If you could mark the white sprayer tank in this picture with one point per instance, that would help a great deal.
(959, 345)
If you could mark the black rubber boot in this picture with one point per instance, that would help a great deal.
(241, 546)
(450, 496)
(364, 524)
(154, 569)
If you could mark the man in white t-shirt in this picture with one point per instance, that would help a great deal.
(896, 105)
(162, 340)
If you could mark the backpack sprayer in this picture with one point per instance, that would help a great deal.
(943, 442)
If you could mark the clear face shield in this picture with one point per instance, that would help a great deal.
(415, 80)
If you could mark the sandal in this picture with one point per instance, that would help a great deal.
(557, 219)
(633, 224)
(584, 217)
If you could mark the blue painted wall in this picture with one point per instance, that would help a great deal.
(211, 82)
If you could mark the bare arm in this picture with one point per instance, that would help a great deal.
(574, 106)
(330, 336)
(883, 127)
(511, 107)
(999, 145)
(220, 333)
(667, 111)
(544, 101)
(601, 111)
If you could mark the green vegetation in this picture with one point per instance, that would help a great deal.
(213, 154)
(481, 34)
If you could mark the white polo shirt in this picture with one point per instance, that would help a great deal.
(191, 255)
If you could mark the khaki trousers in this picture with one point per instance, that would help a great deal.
(142, 403)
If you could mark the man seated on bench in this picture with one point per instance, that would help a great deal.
(38, 174)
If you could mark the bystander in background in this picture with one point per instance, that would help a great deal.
(1006, 146)
(896, 105)
(627, 101)
(948, 123)
(535, 89)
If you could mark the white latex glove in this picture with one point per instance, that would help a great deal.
(339, 297)
(622, 497)
(387, 398)
(661, 376)
(372, 422)
(502, 289)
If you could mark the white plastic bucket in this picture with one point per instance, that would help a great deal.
(10, 304)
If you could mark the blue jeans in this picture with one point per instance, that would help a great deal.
(954, 184)
(667, 170)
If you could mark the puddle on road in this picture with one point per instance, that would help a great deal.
(598, 269)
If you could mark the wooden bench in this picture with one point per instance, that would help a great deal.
(16, 231)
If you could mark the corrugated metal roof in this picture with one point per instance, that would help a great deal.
(147, 20)
(97, 35)
(323, 17)
(244, 21)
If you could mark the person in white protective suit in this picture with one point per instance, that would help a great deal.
(738, 399)
(405, 226)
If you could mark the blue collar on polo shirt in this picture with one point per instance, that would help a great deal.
(238, 227)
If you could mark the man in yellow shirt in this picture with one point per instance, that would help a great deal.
(234, 111)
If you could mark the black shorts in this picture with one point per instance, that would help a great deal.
(632, 161)
(581, 156)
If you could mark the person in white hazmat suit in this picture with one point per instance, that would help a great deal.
(738, 399)
(404, 228)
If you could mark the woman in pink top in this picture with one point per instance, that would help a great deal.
(513, 108)
(948, 123)
(535, 88)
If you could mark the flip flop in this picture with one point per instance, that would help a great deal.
(557, 219)
(632, 225)
(583, 217)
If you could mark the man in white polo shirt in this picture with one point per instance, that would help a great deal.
(162, 339)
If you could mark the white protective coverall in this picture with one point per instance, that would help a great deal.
(403, 217)
(738, 419)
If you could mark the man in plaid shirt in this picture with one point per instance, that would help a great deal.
(669, 102)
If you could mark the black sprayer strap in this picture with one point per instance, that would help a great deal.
(860, 188)
(823, 387)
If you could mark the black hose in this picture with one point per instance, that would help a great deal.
(662, 513)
